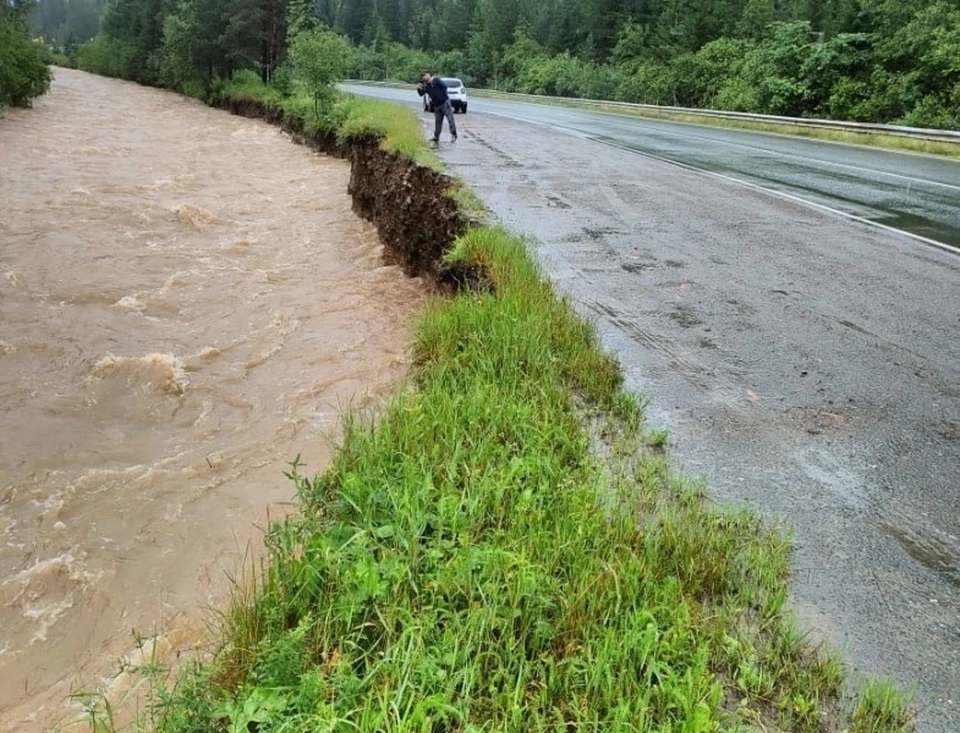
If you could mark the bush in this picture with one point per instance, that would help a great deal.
(716, 70)
(405, 64)
(283, 79)
(849, 100)
(369, 64)
(602, 81)
(558, 76)
(62, 59)
(649, 83)
(24, 70)
(935, 112)
(195, 89)
(453, 63)
(246, 83)
(737, 95)
(97, 57)
(320, 59)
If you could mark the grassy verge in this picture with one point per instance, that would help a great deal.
(506, 549)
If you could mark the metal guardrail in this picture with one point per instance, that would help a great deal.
(918, 133)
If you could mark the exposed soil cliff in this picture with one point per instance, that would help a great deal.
(410, 205)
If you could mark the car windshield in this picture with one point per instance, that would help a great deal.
(453, 82)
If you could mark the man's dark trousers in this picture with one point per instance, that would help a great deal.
(444, 110)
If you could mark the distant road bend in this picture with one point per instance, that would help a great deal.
(915, 194)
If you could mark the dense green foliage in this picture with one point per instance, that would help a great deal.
(867, 60)
(24, 63)
(189, 44)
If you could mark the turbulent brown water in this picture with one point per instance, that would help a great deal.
(187, 302)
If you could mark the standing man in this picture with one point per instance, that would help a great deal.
(434, 86)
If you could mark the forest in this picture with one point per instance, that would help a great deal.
(885, 61)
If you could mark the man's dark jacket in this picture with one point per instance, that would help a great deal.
(437, 91)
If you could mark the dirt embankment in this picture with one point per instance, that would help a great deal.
(410, 205)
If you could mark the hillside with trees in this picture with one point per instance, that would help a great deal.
(865, 60)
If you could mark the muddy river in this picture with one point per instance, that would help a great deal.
(187, 302)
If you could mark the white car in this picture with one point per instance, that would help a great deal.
(456, 91)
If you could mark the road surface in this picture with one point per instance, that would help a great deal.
(914, 193)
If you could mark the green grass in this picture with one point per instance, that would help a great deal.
(61, 59)
(505, 548)
(468, 202)
(882, 707)
(398, 127)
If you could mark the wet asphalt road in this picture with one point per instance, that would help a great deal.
(805, 364)
(914, 193)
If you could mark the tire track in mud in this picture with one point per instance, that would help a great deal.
(719, 390)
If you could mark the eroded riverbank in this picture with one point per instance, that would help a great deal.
(188, 302)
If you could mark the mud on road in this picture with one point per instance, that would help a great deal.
(804, 364)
